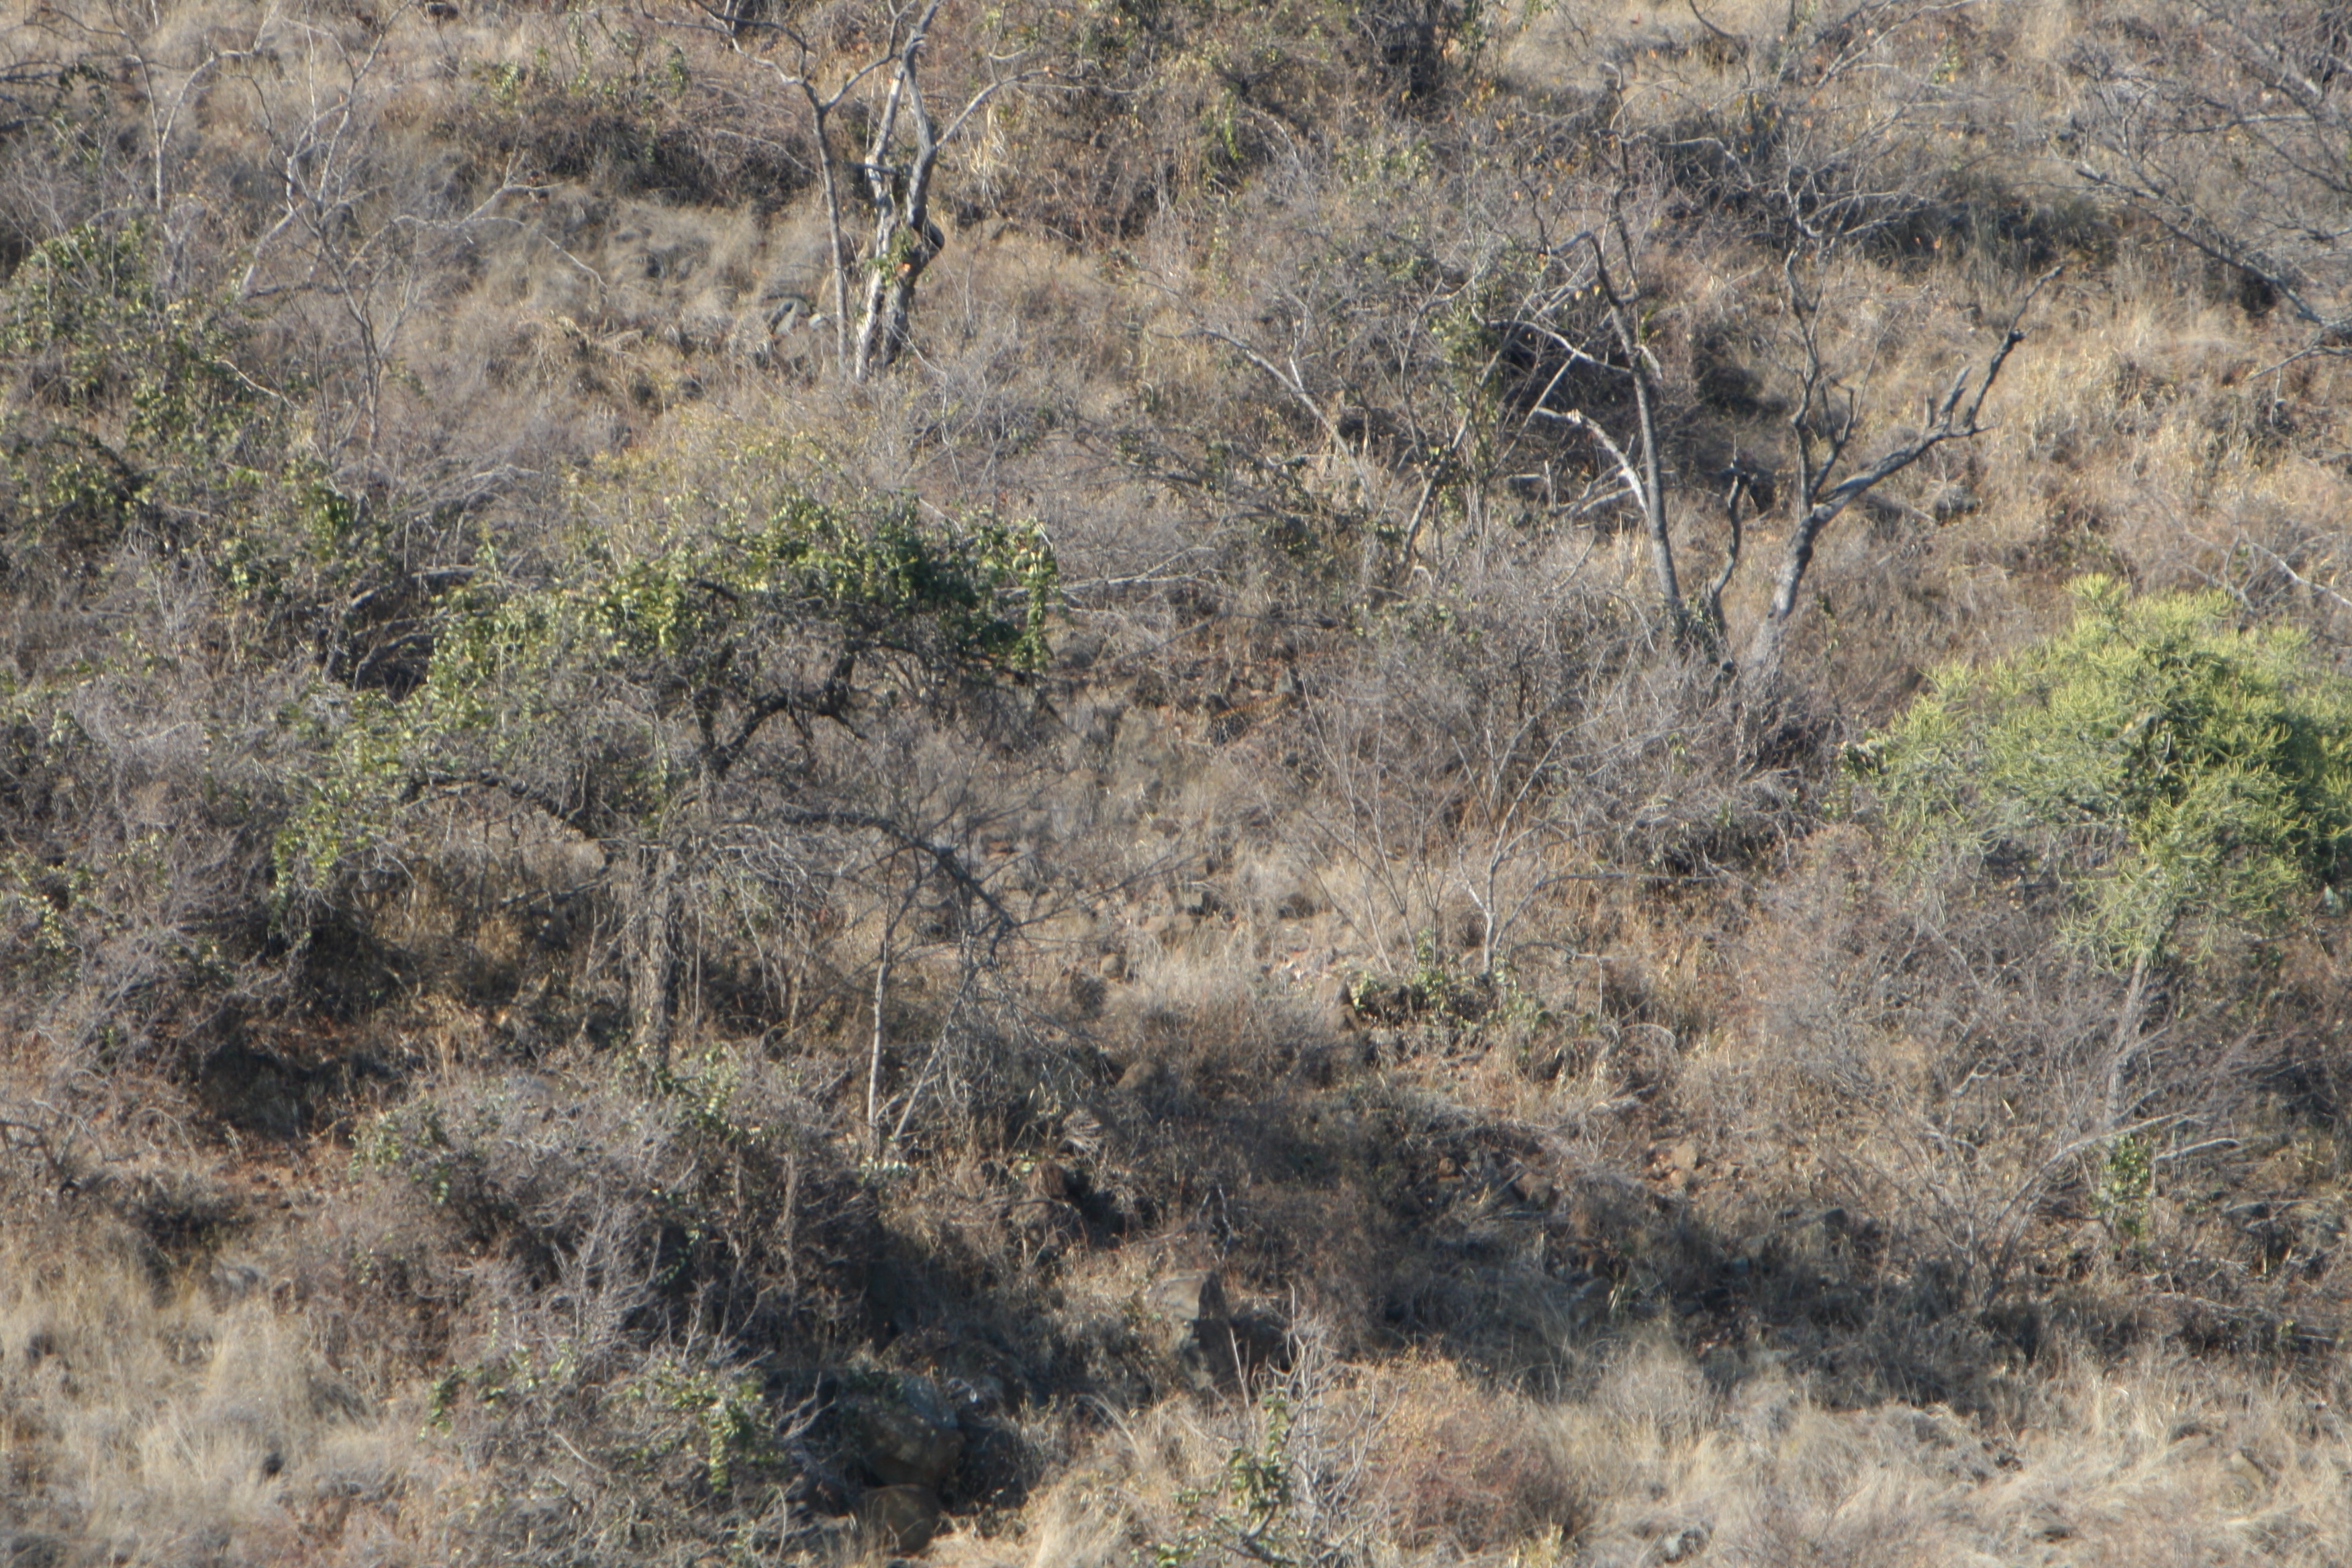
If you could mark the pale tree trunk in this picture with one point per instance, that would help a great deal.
(874, 1057)
(1649, 483)
(900, 253)
(1711, 599)
(1654, 509)
(1825, 422)
(1765, 648)
(2129, 1039)
(654, 899)
(904, 239)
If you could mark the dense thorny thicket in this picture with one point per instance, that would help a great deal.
(1279, 782)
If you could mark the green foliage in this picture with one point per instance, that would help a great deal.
(519, 1373)
(713, 1417)
(414, 1140)
(2126, 1183)
(33, 901)
(127, 404)
(1441, 994)
(672, 1406)
(126, 410)
(694, 607)
(699, 572)
(2182, 779)
(343, 801)
(972, 601)
(86, 309)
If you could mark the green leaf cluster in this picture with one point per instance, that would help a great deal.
(713, 1415)
(123, 414)
(123, 403)
(974, 599)
(639, 664)
(718, 607)
(2184, 780)
(1250, 1512)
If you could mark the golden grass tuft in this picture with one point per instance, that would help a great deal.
(193, 1419)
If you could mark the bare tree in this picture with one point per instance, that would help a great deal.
(900, 165)
(356, 240)
(1645, 482)
(1826, 138)
(1823, 423)
(1494, 366)
(905, 239)
(802, 75)
(2231, 130)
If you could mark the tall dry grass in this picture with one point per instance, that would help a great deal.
(1654, 1170)
(155, 1420)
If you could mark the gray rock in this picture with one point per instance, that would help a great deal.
(31, 1549)
(1187, 1319)
(234, 1282)
(908, 1440)
(1196, 1296)
(1681, 1545)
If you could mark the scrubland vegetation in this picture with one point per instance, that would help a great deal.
(1179, 783)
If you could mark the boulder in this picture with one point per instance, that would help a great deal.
(1260, 1341)
(1183, 1318)
(1194, 1294)
(909, 1440)
(30, 1549)
(1175, 1305)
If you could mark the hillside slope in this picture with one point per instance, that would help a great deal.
(1342, 781)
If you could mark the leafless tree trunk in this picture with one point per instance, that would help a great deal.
(739, 22)
(905, 239)
(874, 1057)
(1649, 485)
(901, 160)
(1826, 417)
(1823, 423)
(1711, 601)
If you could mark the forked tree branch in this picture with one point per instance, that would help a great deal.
(1828, 414)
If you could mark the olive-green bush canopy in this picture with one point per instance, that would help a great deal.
(2184, 778)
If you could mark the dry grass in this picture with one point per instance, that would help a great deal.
(1657, 1461)
(191, 1419)
(1688, 1179)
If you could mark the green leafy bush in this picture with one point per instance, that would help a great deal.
(123, 415)
(125, 405)
(2181, 778)
(645, 661)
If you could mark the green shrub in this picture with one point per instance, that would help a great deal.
(122, 404)
(639, 666)
(2181, 778)
(123, 415)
